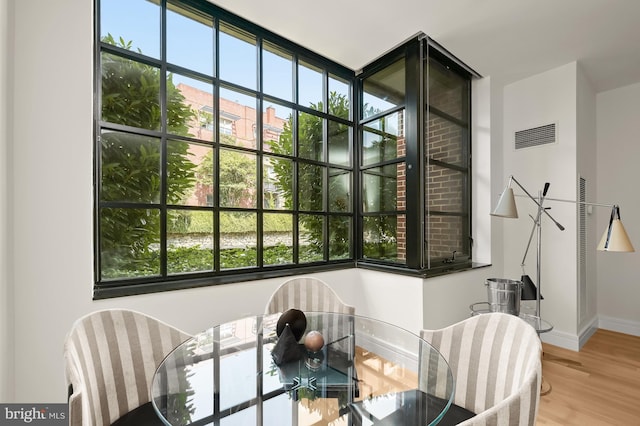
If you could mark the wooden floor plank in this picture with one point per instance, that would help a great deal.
(600, 385)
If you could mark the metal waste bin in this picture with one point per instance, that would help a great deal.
(504, 295)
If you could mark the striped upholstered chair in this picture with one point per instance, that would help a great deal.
(496, 365)
(110, 358)
(307, 294)
(310, 294)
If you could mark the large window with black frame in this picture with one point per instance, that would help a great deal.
(223, 152)
(415, 156)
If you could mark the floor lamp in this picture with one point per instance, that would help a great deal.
(615, 237)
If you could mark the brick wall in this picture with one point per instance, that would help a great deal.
(401, 201)
(444, 186)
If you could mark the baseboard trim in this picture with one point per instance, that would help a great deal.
(620, 325)
(561, 339)
(575, 343)
(587, 332)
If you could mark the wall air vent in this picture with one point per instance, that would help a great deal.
(536, 136)
(582, 250)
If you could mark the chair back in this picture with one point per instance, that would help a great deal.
(495, 359)
(110, 358)
(306, 294)
(310, 294)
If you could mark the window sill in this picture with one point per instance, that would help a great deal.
(424, 273)
(107, 291)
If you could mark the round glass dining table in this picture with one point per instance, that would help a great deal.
(247, 372)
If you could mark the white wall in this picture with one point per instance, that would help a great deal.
(481, 166)
(6, 294)
(447, 299)
(618, 115)
(586, 168)
(497, 177)
(51, 218)
(545, 98)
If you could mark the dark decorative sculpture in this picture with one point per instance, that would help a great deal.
(287, 349)
(290, 328)
(296, 319)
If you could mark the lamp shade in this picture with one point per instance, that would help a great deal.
(615, 238)
(506, 206)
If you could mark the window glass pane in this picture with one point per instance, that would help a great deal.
(189, 241)
(238, 56)
(380, 236)
(237, 240)
(130, 92)
(190, 110)
(339, 99)
(309, 85)
(237, 119)
(339, 143)
(311, 238)
(310, 136)
(237, 179)
(277, 183)
(181, 115)
(130, 168)
(445, 189)
(277, 72)
(190, 40)
(340, 237)
(448, 91)
(277, 238)
(384, 89)
(129, 242)
(446, 141)
(339, 190)
(276, 129)
(310, 187)
(134, 21)
(189, 173)
(380, 187)
(383, 140)
(445, 235)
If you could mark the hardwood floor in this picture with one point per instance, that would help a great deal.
(600, 385)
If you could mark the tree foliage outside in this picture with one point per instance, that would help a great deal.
(131, 173)
(311, 179)
(130, 164)
(237, 184)
(380, 190)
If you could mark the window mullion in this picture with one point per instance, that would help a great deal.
(163, 140)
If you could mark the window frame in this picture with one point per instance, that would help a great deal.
(105, 288)
(413, 51)
(416, 51)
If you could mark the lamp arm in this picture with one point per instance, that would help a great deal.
(533, 230)
(535, 221)
(538, 204)
(586, 203)
(543, 196)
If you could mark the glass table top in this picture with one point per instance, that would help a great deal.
(367, 372)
